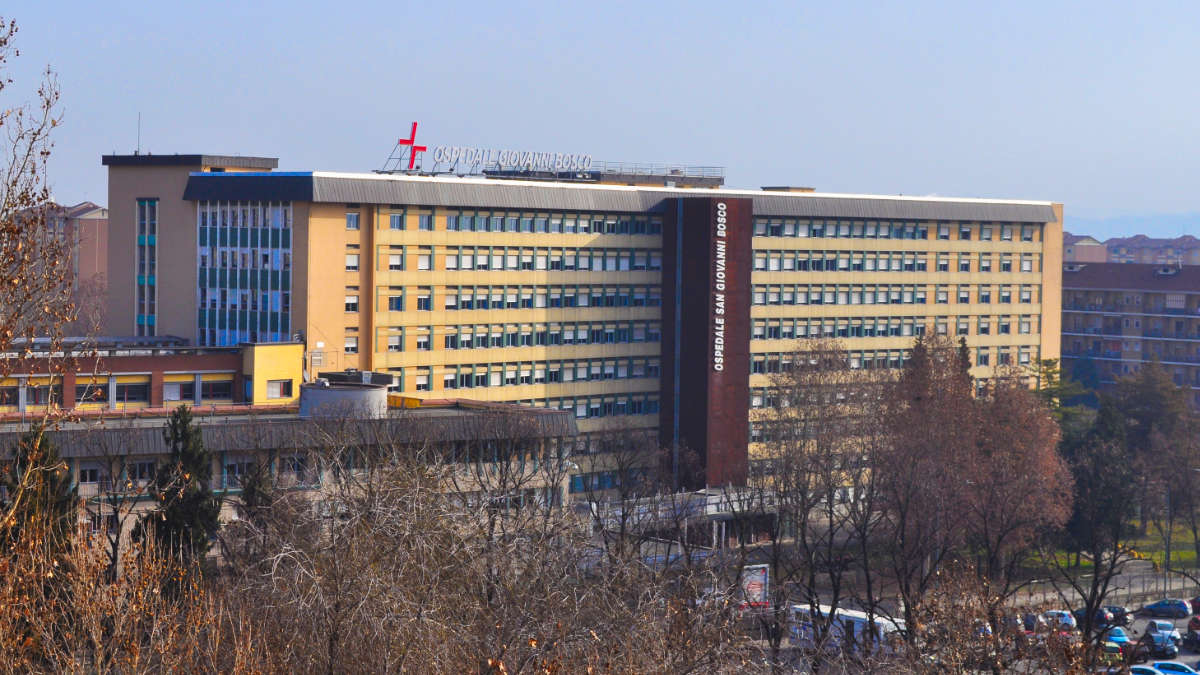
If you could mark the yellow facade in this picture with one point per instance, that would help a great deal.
(266, 365)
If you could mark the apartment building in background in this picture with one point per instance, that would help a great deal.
(1082, 248)
(1117, 316)
(651, 307)
(1184, 250)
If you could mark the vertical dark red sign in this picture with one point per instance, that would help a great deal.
(707, 260)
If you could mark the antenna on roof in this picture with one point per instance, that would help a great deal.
(139, 135)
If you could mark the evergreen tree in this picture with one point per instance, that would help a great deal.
(38, 495)
(186, 519)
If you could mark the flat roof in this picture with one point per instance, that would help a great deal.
(230, 161)
(117, 435)
(475, 192)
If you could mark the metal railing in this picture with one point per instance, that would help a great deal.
(639, 169)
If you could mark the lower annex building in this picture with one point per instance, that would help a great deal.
(662, 309)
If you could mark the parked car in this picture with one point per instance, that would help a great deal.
(1169, 607)
(1101, 618)
(1192, 640)
(1032, 623)
(1059, 618)
(1172, 667)
(1111, 654)
(1154, 646)
(1194, 623)
(1165, 628)
(1195, 603)
(1122, 616)
(1119, 637)
(1144, 670)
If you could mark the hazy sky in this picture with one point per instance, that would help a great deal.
(1092, 104)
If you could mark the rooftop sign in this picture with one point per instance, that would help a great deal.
(478, 160)
(471, 160)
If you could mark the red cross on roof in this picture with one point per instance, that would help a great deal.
(413, 147)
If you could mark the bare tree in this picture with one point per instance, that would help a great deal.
(930, 420)
(1019, 488)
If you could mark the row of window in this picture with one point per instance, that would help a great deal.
(606, 480)
(882, 359)
(147, 265)
(610, 405)
(884, 229)
(890, 261)
(462, 258)
(544, 372)
(514, 221)
(486, 336)
(516, 297)
(251, 299)
(250, 258)
(883, 294)
(239, 215)
(885, 326)
(131, 392)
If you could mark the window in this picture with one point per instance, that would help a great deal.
(424, 299)
(237, 471)
(351, 221)
(424, 261)
(395, 303)
(91, 393)
(179, 391)
(425, 222)
(395, 262)
(279, 388)
(133, 393)
(351, 262)
(351, 303)
(216, 390)
(964, 232)
(351, 346)
(396, 221)
(141, 471)
(394, 344)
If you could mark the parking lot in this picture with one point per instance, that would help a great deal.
(1186, 656)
